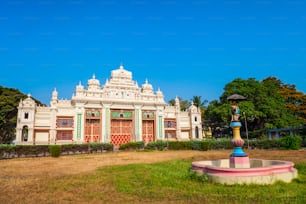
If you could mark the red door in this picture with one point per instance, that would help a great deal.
(148, 131)
(121, 132)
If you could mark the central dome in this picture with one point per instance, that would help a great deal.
(121, 73)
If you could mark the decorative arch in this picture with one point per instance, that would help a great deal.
(25, 133)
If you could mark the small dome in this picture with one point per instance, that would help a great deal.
(192, 108)
(93, 83)
(159, 93)
(147, 88)
(80, 87)
(27, 102)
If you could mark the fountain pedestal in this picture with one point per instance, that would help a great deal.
(239, 162)
(238, 159)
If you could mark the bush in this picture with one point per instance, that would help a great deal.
(6, 149)
(132, 146)
(158, 145)
(220, 144)
(201, 145)
(101, 147)
(55, 150)
(291, 142)
(179, 145)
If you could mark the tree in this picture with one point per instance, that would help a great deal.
(295, 101)
(184, 104)
(9, 100)
(197, 101)
(217, 114)
(265, 107)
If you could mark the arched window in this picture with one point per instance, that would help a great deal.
(195, 119)
(25, 134)
(197, 132)
(26, 115)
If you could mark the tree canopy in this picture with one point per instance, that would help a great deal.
(269, 104)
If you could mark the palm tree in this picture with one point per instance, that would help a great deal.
(198, 102)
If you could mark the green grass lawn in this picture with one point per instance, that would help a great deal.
(167, 182)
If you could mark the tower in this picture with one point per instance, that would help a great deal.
(25, 120)
(195, 122)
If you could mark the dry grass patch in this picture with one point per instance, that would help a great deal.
(75, 179)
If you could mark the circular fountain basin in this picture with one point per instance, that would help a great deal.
(260, 171)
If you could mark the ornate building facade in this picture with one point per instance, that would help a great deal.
(118, 112)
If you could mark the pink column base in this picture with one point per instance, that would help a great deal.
(239, 162)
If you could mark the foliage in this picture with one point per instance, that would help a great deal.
(101, 147)
(213, 144)
(11, 151)
(264, 144)
(158, 145)
(301, 167)
(184, 104)
(220, 144)
(197, 101)
(295, 100)
(179, 145)
(265, 108)
(201, 145)
(291, 142)
(9, 100)
(55, 150)
(132, 146)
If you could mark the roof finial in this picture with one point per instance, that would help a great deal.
(121, 66)
(146, 81)
(93, 76)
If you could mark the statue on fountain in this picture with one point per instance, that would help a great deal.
(235, 111)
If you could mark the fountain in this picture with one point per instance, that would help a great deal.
(239, 169)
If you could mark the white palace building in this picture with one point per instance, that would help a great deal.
(117, 112)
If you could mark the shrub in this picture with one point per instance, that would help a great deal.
(158, 145)
(201, 145)
(179, 145)
(6, 149)
(291, 142)
(55, 150)
(132, 146)
(220, 144)
(101, 147)
(67, 148)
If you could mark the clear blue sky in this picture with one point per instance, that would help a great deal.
(186, 48)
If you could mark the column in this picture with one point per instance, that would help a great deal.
(138, 124)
